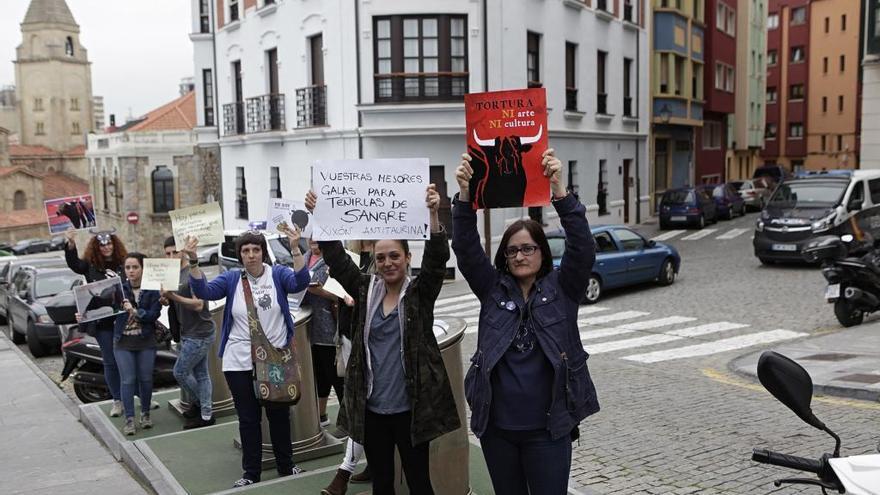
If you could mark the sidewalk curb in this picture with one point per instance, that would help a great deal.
(68, 403)
(818, 389)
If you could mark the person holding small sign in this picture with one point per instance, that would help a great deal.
(397, 391)
(528, 385)
(270, 286)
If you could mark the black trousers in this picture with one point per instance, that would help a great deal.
(324, 365)
(250, 414)
(384, 432)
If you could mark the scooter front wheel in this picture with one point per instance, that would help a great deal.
(847, 314)
(90, 393)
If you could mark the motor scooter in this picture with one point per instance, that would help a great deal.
(791, 384)
(82, 354)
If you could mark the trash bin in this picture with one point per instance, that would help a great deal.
(449, 454)
(220, 395)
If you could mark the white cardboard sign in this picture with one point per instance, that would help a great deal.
(161, 274)
(290, 212)
(371, 199)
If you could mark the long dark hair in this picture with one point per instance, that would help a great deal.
(536, 230)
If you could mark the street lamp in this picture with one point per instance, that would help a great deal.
(664, 114)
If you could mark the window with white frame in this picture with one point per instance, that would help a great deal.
(712, 134)
(233, 10)
(771, 94)
(725, 19)
(773, 20)
(730, 80)
(796, 130)
(797, 54)
(770, 131)
(771, 57)
(724, 77)
(799, 15)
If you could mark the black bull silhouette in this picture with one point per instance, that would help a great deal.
(499, 179)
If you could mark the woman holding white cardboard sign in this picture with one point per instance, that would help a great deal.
(397, 390)
(528, 385)
(256, 305)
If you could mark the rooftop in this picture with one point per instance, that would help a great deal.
(50, 11)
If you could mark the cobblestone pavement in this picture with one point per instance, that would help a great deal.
(687, 425)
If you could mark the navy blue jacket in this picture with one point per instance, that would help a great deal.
(554, 310)
(147, 312)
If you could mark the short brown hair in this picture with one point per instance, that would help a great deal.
(252, 237)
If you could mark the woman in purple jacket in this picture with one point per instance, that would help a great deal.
(270, 286)
(528, 385)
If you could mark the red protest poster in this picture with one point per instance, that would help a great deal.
(506, 135)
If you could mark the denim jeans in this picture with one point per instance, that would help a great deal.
(111, 370)
(136, 372)
(523, 462)
(191, 371)
(250, 415)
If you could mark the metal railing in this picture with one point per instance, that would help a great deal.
(233, 118)
(311, 106)
(602, 103)
(571, 99)
(421, 86)
(265, 113)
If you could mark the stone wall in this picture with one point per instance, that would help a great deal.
(20, 181)
(12, 235)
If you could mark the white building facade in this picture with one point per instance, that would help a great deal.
(283, 83)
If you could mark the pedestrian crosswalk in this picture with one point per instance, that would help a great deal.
(640, 336)
(701, 234)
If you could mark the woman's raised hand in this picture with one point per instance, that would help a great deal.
(553, 171)
(432, 199)
(190, 243)
(463, 175)
(70, 237)
(293, 233)
(311, 201)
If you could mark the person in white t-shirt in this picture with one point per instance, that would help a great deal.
(270, 286)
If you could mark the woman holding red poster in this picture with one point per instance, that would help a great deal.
(528, 385)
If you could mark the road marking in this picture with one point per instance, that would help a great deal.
(623, 315)
(717, 346)
(454, 307)
(633, 327)
(618, 345)
(708, 328)
(586, 310)
(450, 300)
(668, 235)
(699, 235)
(732, 234)
(473, 323)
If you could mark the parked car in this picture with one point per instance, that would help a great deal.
(802, 209)
(728, 202)
(687, 206)
(754, 192)
(30, 246)
(27, 317)
(4, 252)
(57, 243)
(623, 258)
(8, 271)
(208, 255)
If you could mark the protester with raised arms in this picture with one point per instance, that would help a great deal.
(270, 286)
(528, 385)
(397, 390)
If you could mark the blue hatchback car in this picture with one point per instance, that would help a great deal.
(728, 202)
(623, 257)
(686, 206)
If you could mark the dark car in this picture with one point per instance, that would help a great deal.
(27, 316)
(687, 206)
(776, 173)
(728, 202)
(30, 246)
(57, 243)
(8, 271)
(623, 257)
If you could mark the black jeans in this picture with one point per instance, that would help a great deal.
(250, 414)
(324, 365)
(382, 433)
(524, 462)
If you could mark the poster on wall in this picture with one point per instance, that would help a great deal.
(371, 199)
(73, 211)
(506, 136)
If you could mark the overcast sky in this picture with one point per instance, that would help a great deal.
(139, 49)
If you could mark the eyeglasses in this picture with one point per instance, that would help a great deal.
(527, 250)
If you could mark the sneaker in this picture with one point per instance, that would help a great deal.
(339, 485)
(154, 404)
(193, 411)
(116, 410)
(199, 422)
(243, 482)
(146, 421)
(129, 429)
(363, 476)
(296, 470)
(325, 421)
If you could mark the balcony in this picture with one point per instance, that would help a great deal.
(233, 118)
(420, 86)
(627, 106)
(311, 106)
(265, 113)
(602, 103)
(571, 99)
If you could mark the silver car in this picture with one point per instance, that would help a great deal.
(755, 192)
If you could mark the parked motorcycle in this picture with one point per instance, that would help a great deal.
(82, 354)
(791, 384)
(853, 275)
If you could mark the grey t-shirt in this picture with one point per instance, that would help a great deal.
(389, 383)
(193, 324)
